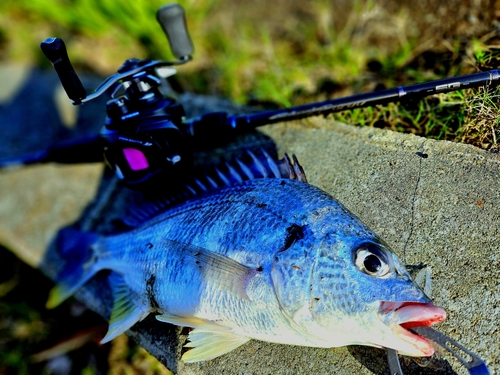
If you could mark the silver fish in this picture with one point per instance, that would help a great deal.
(270, 259)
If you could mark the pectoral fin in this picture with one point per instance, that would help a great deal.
(423, 280)
(126, 311)
(208, 340)
(189, 322)
(216, 269)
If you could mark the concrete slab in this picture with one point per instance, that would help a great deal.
(434, 202)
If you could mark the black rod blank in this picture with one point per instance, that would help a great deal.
(410, 92)
(415, 91)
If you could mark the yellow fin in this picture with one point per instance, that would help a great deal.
(208, 339)
(57, 295)
(208, 344)
(126, 312)
(72, 280)
(76, 249)
(192, 322)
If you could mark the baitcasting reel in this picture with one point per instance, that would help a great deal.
(141, 136)
(145, 135)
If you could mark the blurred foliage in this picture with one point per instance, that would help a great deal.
(27, 328)
(267, 51)
(65, 340)
(280, 53)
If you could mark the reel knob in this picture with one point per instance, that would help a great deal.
(172, 20)
(55, 50)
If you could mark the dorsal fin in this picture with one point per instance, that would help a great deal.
(249, 167)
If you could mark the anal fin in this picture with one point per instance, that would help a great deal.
(208, 344)
(125, 312)
(208, 340)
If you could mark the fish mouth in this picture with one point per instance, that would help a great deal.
(405, 315)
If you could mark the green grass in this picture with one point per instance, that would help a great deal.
(235, 56)
(438, 117)
(270, 53)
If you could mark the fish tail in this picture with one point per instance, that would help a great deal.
(76, 250)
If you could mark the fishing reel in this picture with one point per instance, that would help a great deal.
(141, 136)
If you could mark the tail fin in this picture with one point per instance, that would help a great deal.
(75, 248)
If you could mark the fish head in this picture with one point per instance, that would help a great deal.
(350, 289)
(384, 300)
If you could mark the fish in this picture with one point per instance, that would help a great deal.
(261, 255)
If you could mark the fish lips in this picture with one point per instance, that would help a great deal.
(400, 316)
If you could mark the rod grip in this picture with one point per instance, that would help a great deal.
(55, 50)
(172, 20)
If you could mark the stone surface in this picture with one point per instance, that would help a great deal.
(433, 202)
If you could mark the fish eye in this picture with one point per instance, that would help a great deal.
(372, 260)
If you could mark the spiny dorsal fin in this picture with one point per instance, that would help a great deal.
(292, 169)
(249, 167)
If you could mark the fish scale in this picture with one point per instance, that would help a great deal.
(271, 259)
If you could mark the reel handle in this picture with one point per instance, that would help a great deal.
(172, 20)
(55, 50)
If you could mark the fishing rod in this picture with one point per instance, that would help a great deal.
(145, 133)
(401, 93)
